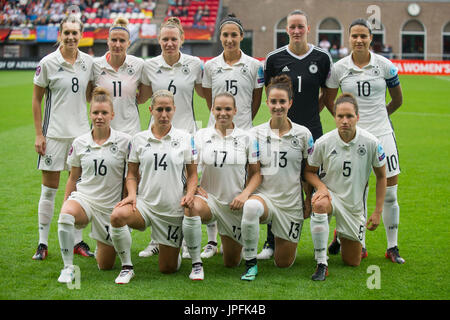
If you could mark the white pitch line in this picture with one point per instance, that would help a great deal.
(427, 114)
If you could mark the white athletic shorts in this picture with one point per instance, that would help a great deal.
(228, 221)
(166, 230)
(348, 225)
(286, 224)
(56, 153)
(390, 149)
(98, 216)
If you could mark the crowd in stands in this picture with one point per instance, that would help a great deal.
(196, 13)
(43, 12)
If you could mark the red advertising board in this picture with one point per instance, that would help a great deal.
(425, 67)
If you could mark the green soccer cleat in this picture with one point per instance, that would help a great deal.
(250, 273)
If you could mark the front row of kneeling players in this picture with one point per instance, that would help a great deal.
(247, 178)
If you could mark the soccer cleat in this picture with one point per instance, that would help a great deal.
(334, 246)
(67, 275)
(125, 276)
(266, 252)
(152, 249)
(82, 248)
(393, 255)
(197, 272)
(208, 251)
(251, 273)
(321, 272)
(364, 253)
(41, 252)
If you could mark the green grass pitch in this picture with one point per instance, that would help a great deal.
(423, 136)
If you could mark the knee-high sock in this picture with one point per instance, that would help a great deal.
(391, 216)
(121, 239)
(66, 226)
(211, 230)
(45, 212)
(192, 231)
(319, 233)
(252, 211)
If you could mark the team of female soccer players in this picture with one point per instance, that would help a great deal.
(122, 177)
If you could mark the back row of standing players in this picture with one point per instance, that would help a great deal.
(67, 76)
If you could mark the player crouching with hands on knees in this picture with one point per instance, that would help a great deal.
(278, 200)
(346, 157)
(159, 156)
(99, 158)
(229, 159)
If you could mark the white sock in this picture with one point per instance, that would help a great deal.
(45, 212)
(252, 211)
(319, 233)
(192, 231)
(66, 226)
(78, 235)
(121, 239)
(212, 231)
(391, 216)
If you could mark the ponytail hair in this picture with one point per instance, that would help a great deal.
(231, 18)
(282, 82)
(346, 97)
(120, 23)
(100, 95)
(172, 22)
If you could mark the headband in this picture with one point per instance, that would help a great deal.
(233, 22)
(119, 28)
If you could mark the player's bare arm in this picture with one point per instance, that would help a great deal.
(374, 220)
(38, 95)
(396, 99)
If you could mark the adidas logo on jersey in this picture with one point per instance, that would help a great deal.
(285, 69)
(333, 153)
(60, 69)
(103, 73)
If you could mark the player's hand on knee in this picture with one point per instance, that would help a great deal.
(128, 200)
(201, 192)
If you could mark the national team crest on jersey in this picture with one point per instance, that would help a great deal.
(175, 144)
(185, 69)
(114, 148)
(313, 68)
(244, 69)
(130, 70)
(83, 65)
(361, 150)
(295, 143)
(376, 71)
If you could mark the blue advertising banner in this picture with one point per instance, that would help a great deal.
(47, 33)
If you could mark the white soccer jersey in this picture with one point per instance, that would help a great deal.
(122, 85)
(103, 167)
(223, 161)
(65, 103)
(281, 163)
(240, 80)
(346, 167)
(368, 85)
(161, 166)
(180, 79)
